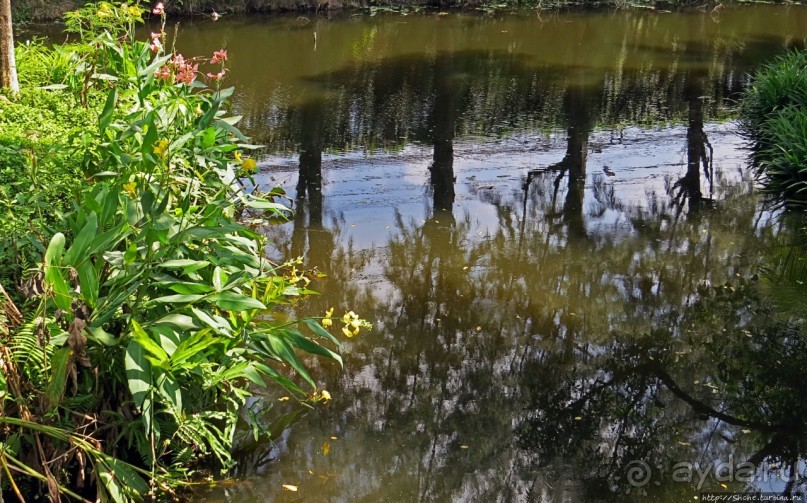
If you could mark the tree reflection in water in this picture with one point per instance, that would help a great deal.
(543, 357)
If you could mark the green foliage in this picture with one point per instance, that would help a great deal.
(153, 313)
(104, 17)
(41, 132)
(774, 112)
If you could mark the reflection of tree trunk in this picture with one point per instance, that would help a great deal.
(443, 121)
(442, 175)
(578, 111)
(573, 206)
(697, 144)
(698, 406)
(309, 183)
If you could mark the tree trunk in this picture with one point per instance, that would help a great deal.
(8, 65)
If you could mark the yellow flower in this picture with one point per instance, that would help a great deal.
(352, 324)
(327, 321)
(249, 165)
(237, 156)
(160, 146)
(129, 188)
(134, 11)
(325, 395)
(349, 317)
(104, 11)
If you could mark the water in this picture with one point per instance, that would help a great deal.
(538, 212)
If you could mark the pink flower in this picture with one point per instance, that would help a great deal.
(159, 9)
(163, 73)
(217, 76)
(219, 57)
(184, 71)
(186, 74)
(155, 44)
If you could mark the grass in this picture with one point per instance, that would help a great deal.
(774, 114)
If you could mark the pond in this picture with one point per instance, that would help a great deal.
(550, 220)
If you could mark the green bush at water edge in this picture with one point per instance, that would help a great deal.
(774, 112)
(149, 310)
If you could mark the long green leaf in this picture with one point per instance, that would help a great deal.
(109, 107)
(58, 376)
(285, 352)
(76, 253)
(232, 301)
(53, 254)
(310, 346)
(178, 299)
(169, 389)
(319, 330)
(88, 278)
(147, 343)
(138, 372)
(53, 273)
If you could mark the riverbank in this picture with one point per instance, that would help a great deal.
(44, 10)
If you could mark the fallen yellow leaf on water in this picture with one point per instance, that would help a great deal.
(326, 448)
(463, 446)
(578, 418)
(333, 438)
(746, 431)
(283, 399)
(478, 329)
(724, 486)
(290, 487)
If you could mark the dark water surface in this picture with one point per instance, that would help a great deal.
(550, 220)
